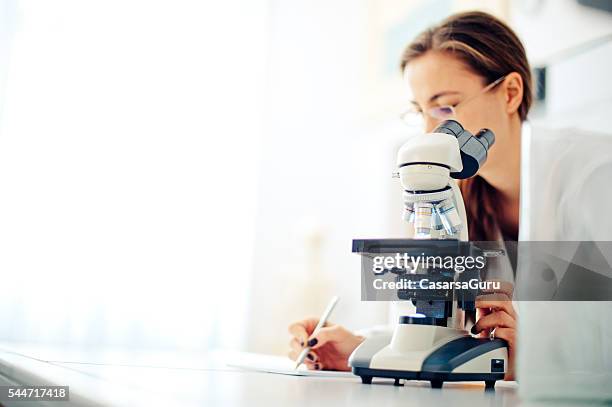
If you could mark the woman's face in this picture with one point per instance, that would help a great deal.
(439, 79)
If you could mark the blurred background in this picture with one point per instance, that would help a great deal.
(188, 175)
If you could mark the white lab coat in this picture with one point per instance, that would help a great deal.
(565, 348)
(565, 187)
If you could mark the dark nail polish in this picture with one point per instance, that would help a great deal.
(317, 366)
(312, 342)
(473, 330)
(302, 344)
(309, 356)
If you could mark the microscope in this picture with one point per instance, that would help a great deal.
(433, 343)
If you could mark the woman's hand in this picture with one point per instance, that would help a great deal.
(330, 348)
(495, 312)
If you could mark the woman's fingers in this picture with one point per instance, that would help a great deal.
(313, 365)
(295, 346)
(497, 312)
(334, 333)
(505, 288)
(494, 320)
(494, 297)
(312, 356)
(509, 334)
(496, 305)
(303, 329)
(298, 330)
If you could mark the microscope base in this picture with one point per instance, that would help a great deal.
(436, 379)
(460, 359)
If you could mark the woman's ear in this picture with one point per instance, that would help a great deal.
(512, 87)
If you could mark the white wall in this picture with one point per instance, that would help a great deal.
(128, 151)
(322, 177)
(550, 28)
(574, 42)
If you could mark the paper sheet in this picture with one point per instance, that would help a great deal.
(277, 364)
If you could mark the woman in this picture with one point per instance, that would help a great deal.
(473, 68)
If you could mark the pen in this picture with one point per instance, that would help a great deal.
(322, 321)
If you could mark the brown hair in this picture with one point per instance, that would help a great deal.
(491, 49)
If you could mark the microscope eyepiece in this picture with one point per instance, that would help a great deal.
(486, 135)
(473, 148)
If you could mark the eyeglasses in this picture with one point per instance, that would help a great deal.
(414, 116)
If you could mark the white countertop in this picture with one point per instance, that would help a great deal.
(121, 378)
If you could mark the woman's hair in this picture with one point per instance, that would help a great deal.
(490, 49)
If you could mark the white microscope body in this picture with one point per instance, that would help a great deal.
(423, 345)
(425, 164)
